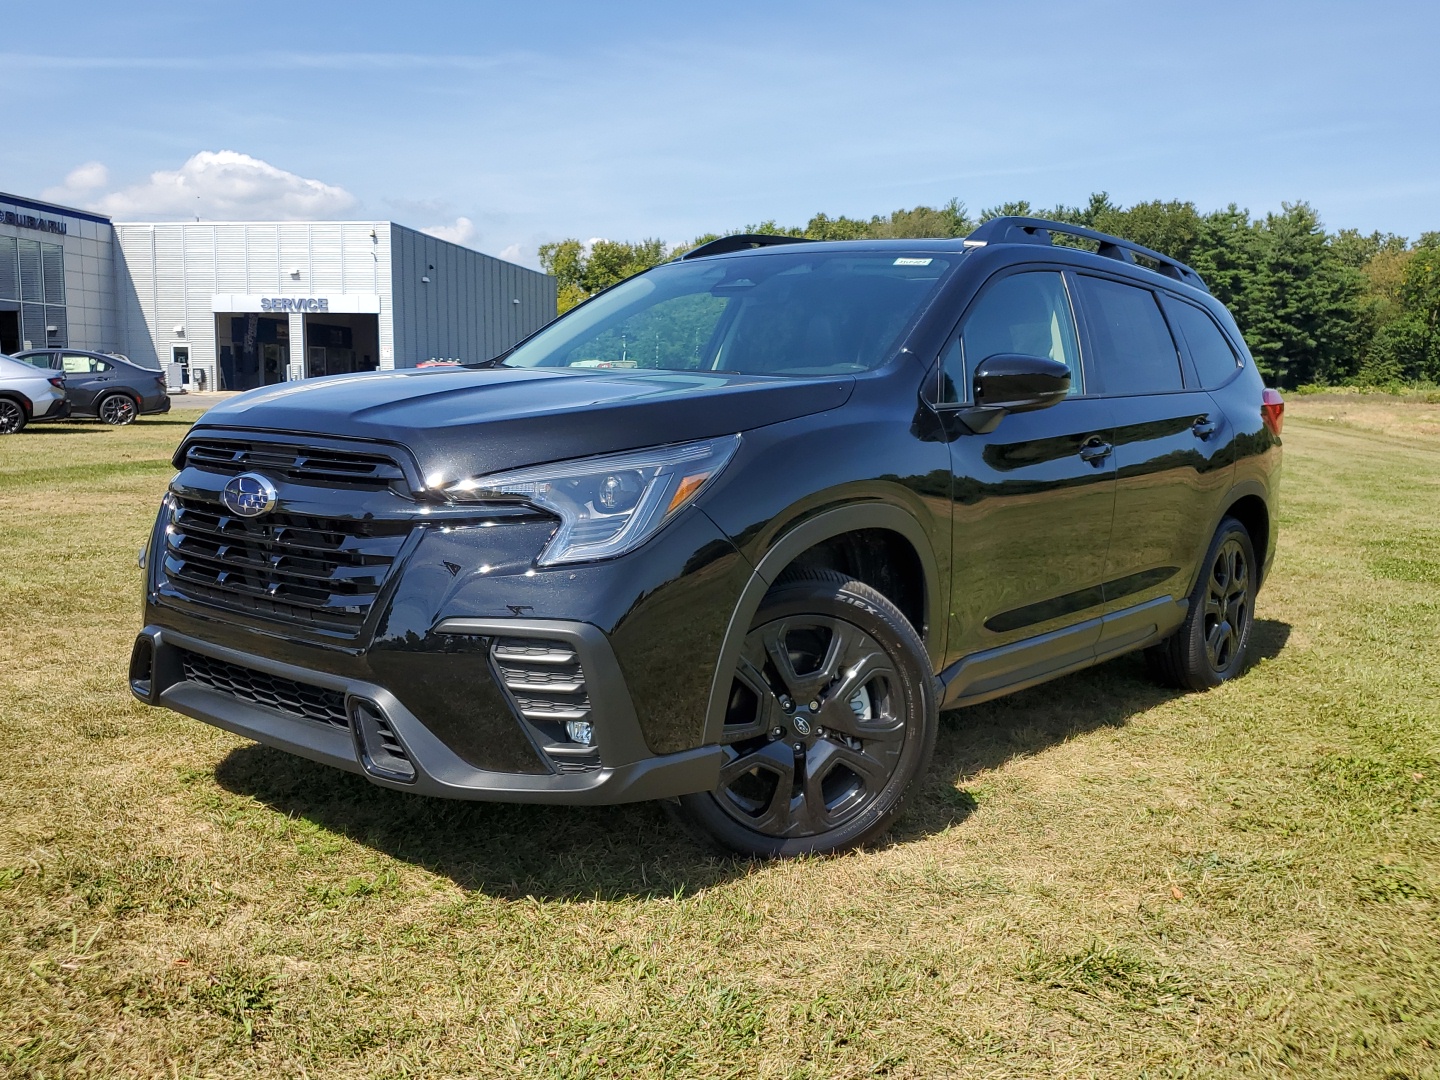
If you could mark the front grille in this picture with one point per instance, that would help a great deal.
(270, 691)
(324, 572)
(298, 463)
(546, 684)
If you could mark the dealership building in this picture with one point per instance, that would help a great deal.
(241, 304)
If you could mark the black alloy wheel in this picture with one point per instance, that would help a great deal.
(12, 416)
(1210, 645)
(117, 409)
(831, 720)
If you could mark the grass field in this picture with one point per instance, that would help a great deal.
(1101, 879)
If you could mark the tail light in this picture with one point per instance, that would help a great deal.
(1272, 410)
(58, 382)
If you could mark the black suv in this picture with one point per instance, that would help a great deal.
(731, 533)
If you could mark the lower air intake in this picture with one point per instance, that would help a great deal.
(545, 682)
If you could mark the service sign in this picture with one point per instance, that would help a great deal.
(339, 304)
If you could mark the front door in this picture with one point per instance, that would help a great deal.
(1033, 499)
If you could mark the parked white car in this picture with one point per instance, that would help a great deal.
(27, 393)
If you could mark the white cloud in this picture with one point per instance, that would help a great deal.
(226, 185)
(459, 231)
(80, 182)
(513, 253)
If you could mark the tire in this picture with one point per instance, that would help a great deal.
(117, 410)
(1210, 646)
(12, 416)
(802, 780)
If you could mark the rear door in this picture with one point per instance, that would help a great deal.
(86, 378)
(1173, 455)
(1033, 499)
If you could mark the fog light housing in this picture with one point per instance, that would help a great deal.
(580, 731)
(381, 752)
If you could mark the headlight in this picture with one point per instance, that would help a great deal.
(607, 505)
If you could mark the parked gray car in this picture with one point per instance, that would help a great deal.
(28, 394)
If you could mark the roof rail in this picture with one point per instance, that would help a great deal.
(741, 242)
(1028, 230)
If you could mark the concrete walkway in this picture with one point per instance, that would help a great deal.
(207, 400)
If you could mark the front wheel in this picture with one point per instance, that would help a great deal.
(117, 409)
(1210, 645)
(831, 723)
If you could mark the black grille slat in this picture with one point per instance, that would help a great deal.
(282, 695)
(323, 572)
(545, 682)
(292, 530)
(298, 463)
(225, 557)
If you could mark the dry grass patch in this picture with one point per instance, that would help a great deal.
(1102, 878)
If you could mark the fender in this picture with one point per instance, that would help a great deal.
(783, 552)
(1234, 495)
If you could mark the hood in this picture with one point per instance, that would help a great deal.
(468, 422)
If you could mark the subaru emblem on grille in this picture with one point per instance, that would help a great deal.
(249, 495)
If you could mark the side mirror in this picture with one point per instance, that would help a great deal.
(1019, 383)
(1014, 382)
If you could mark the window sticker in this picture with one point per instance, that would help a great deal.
(904, 261)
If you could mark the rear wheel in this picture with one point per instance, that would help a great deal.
(1210, 645)
(831, 723)
(117, 409)
(12, 416)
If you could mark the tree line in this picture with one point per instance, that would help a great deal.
(1315, 306)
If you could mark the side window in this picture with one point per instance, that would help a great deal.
(1022, 313)
(1134, 352)
(1215, 360)
(74, 364)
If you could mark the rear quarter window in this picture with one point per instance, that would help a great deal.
(1215, 361)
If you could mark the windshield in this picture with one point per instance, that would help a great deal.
(789, 313)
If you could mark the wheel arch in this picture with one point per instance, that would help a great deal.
(821, 541)
(1247, 505)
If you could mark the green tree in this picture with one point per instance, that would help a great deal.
(581, 273)
(1420, 296)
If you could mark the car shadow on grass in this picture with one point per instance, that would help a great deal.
(635, 851)
(974, 740)
(79, 425)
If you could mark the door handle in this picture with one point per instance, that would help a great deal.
(1095, 450)
(1203, 427)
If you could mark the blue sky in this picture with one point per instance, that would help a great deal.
(505, 126)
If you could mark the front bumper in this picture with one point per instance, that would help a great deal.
(402, 752)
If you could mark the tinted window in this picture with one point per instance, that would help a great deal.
(1022, 313)
(1134, 353)
(1214, 360)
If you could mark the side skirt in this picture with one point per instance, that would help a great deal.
(996, 672)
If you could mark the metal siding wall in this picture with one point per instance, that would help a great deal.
(467, 309)
(135, 280)
(262, 259)
(327, 259)
(169, 300)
